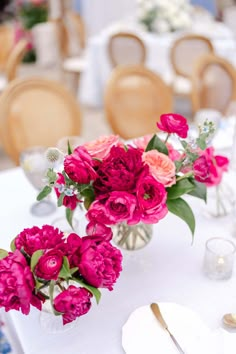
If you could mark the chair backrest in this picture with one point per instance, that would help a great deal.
(76, 23)
(36, 111)
(6, 44)
(186, 50)
(135, 98)
(62, 36)
(126, 49)
(15, 59)
(213, 83)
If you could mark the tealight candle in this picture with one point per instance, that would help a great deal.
(219, 258)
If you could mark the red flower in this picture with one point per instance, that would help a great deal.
(79, 166)
(72, 303)
(173, 123)
(17, 284)
(201, 169)
(49, 265)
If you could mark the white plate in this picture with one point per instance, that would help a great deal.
(142, 334)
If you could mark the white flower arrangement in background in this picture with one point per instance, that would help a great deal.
(164, 16)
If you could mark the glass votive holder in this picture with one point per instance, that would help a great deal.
(219, 258)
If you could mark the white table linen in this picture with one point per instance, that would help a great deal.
(158, 47)
(169, 269)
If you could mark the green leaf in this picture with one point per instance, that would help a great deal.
(3, 253)
(51, 292)
(180, 208)
(184, 144)
(182, 187)
(157, 144)
(178, 165)
(60, 199)
(200, 190)
(201, 142)
(12, 245)
(95, 291)
(65, 269)
(52, 176)
(73, 270)
(69, 149)
(34, 259)
(69, 216)
(44, 193)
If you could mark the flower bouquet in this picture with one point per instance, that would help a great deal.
(44, 266)
(164, 16)
(133, 183)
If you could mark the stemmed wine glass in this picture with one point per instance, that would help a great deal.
(35, 166)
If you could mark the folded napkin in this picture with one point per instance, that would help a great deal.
(143, 334)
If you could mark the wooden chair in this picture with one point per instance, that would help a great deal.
(36, 111)
(135, 98)
(15, 59)
(77, 25)
(213, 84)
(6, 44)
(183, 54)
(126, 49)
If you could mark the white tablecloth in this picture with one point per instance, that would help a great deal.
(169, 269)
(98, 68)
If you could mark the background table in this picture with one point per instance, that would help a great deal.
(168, 269)
(158, 47)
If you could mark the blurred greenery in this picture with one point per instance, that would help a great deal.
(31, 14)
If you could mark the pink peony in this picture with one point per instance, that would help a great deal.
(151, 197)
(201, 169)
(49, 265)
(36, 238)
(142, 142)
(98, 261)
(17, 284)
(97, 213)
(173, 123)
(217, 165)
(68, 201)
(119, 171)
(101, 147)
(79, 166)
(173, 153)
(97, 229)
(72, 303)
(161, 167)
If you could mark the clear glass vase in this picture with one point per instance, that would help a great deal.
(51, 323)
(132, 237)
(220, 200)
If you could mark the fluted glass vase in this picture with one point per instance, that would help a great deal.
(132, 237)
(220, 200)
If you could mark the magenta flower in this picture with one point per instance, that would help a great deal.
(68, 201)
(119, 171)
(97, 229)
(49, 265)
(72, 303)
(79, 166)
(173, 123)
(201, 169)
(36, 238)
(98, 261)
(17, 284)
(151, 197)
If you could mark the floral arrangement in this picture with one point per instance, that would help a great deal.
(30, 13)
(164, 16)
(136, 182)
(68, 272)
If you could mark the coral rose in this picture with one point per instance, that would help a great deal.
(173, 123)
(72, 303)
(161, 167)
(79, 166)
(101, 147)
(35, 238)
(49, 265)
(17, 284)
(151, 197)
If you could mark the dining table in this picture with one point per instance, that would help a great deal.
(98, 67)
(168, 269)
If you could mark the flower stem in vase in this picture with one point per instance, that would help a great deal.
(132, 237)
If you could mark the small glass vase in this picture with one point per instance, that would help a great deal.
(220, 200)
(51, 323)
(132, 237)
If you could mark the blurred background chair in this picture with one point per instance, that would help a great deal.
(184, 52)
(135, 98)
(6, 44)
(36, 111)
(213, 84)
(126, 49)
